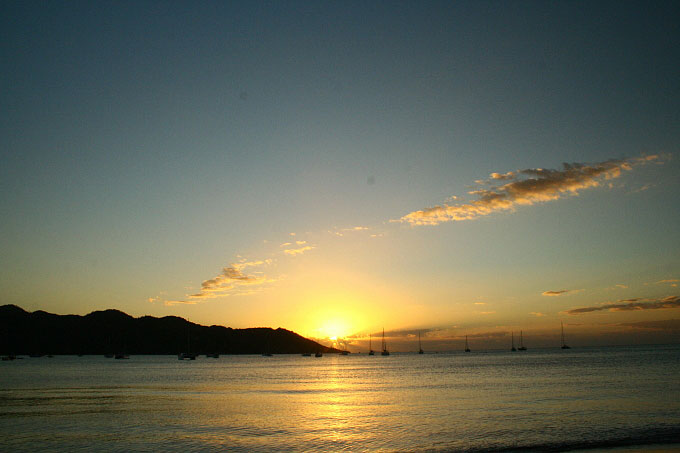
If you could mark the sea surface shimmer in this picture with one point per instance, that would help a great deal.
(539, 400)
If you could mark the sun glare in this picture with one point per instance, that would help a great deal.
(335, 328)
(335, 316)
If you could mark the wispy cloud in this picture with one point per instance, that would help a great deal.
(562, 292)
(665, 324)
(170, 303)
(298, 251)
(400, 333)
(631, 305)
(244, 263)
(506, 191)
(642, 188)
(340, 232)
(555, 293)
(356, 228)
(231, 281)
(485, 335)
(537, 314)
(670, 281)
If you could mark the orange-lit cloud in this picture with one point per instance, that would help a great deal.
(298, 251)
(231, 281)
(670, 281)
(631, 305)
(356, 228)
(170, 303)
(537, 314)
(526, 187)
(244, 264)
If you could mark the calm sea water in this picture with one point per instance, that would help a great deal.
(541, 400)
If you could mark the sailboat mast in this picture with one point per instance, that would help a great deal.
(562, 324)
(383, 340)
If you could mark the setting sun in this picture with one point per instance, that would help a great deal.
(335, 328)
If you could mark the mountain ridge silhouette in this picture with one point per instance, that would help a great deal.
(112, 331)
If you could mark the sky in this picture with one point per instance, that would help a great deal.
(338, 168)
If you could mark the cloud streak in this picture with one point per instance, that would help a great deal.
(231, 281)
(631, 305)
(506, 191)
(666, 324)
(555, 293)
(298, 251)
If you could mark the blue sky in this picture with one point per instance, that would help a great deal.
(148, 145)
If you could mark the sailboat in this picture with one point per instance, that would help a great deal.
(370, 347)
(467, 348)
(564, 345)
(513, 342)
(187, 355)
(420, 346)
(384, 345)
(521, 343)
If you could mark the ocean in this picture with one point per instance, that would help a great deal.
(540, 400)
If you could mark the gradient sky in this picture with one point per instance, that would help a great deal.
(339, 167)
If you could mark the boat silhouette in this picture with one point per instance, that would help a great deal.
(384, 345)
(564, 345)
(521, 343)
(187, 355)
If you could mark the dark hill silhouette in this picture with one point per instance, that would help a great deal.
(112, 331)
